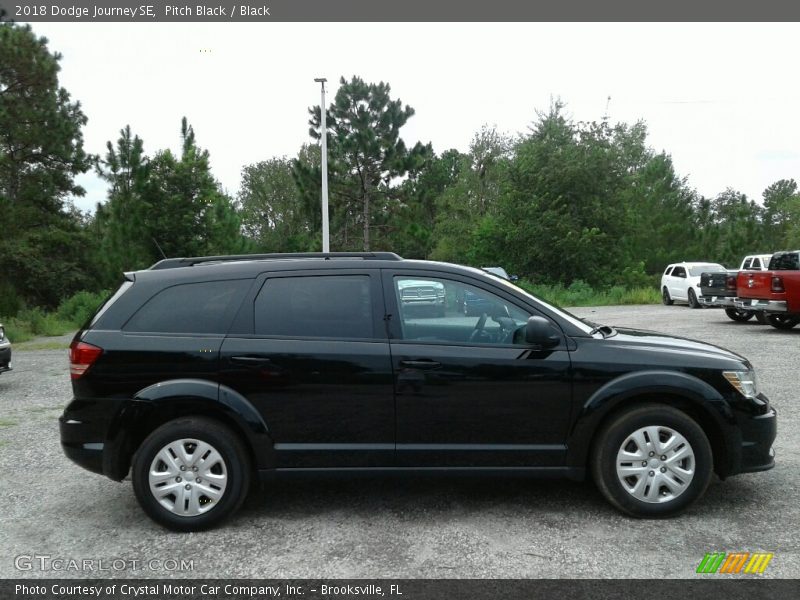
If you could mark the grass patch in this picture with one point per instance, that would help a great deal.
(580, 293)
(30, 346)
(70, 315)
(7, 423)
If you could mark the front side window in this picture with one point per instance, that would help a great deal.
(443, 310)
(326, 306)
(199, 308)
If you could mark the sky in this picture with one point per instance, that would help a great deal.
(721, 99)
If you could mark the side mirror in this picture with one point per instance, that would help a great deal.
(513, 278)
(539, 332)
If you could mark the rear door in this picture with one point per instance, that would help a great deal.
(678, 283)
(311, 354)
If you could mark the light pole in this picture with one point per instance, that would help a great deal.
(326, 242)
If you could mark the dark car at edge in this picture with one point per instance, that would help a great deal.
(200, 376)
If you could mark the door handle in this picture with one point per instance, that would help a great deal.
(253, 361)
(420, 364)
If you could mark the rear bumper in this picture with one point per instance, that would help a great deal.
(721, 301)
(770, 306)
(89, 438)
(758, 435)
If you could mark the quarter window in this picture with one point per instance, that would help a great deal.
(326, 306)
(190, 308)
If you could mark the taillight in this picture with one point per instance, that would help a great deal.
(777, 285)
(81, 357)
(730, 283)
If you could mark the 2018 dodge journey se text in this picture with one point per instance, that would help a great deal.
(200, 374)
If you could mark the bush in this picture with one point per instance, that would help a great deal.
(580, 293)
(78, 308)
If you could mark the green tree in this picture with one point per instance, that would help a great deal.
(366, 157)
(42, 249)
(274, 213)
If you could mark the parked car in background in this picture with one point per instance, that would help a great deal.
(719, 290)
(775, 292)
(5, 351)
(681, 282)
(425, 297)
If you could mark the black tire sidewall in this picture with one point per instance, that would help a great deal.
(693, 302)
(666, 299)
(610, 441)
(778, 323)
(739, 316)
(224, 441)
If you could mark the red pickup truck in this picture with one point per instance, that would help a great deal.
(776, 292)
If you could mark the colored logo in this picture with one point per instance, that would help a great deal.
(735, 562)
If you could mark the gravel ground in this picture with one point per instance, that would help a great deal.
(404, 528)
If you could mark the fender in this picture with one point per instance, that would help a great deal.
(166, 400)
(673, 387)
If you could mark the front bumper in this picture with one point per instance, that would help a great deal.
(5, 357)
(721, 301)
(770, 306)
(758, 435)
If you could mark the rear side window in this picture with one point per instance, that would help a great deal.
(328, 306)
(679, 272)
(190, 308)
(747, 264)
(785, 262)
(669, 269)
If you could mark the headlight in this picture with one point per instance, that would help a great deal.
(744, 381)
(2, 333)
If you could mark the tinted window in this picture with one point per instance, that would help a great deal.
(668, 270)
(747, 264)
(190, 308)
(329, 306)
(756, 263)
(679, 272)
(442, 310)
(785, 262)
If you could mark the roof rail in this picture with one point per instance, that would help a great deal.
(174, 263)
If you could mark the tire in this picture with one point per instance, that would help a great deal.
(666, 298)
(761, 317)
(693, 299)
(783, 321)
(682, 482)
(224, 484)
(739, 316)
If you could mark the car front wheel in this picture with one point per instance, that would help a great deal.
(652, 461)
(190, 474)
(693, 300)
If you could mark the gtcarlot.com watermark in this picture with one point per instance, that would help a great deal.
(61, 564)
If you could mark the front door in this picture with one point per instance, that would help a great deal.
(469, 392)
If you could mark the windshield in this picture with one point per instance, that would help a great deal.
(700, 269)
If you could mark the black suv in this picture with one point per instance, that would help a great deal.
(200, 374)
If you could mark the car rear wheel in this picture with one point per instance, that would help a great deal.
(693, 300)
(666, 298)
(739, 315)
(783, 321)
(761, 317)
(652, 461)
(190, 474)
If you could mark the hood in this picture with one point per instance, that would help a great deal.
(693, 350)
